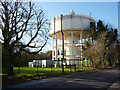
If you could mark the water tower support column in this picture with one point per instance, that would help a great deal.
(53, 50)
(62, 43)
(55, 41)
(56, 47)
(72, 48)
(81, 50)
(89, 43)
(88, 38)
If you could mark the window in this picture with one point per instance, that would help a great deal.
(61, 52)
(58, 51)
(54, 53)
(62, 58)
(64, 52)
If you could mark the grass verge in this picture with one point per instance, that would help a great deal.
(29, 74)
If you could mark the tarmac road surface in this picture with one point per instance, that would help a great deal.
(107, 78)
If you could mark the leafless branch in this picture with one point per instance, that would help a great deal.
(23, 22)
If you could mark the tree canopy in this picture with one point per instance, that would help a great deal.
(24, 29)
(104, 45)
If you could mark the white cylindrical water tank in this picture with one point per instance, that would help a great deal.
(71, 22)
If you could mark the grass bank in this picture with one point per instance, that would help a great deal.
(24, 74)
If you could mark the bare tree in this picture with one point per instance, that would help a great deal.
(24, 28)
(104, 46)
(96, 51)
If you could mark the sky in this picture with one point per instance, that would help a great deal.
(105, 11)
(119, 19)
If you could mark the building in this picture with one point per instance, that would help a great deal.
(76, 29)
(41, 63)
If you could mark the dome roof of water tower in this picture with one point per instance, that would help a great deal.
(72, 13)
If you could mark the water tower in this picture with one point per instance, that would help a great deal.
(75, 28)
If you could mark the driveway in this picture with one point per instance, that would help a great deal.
(108, 78)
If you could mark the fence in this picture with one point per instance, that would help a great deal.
(71, 63)
(78, 62)
(56, 66)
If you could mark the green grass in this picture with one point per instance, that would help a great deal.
(33, 71)
(28, 70)
(27, 74)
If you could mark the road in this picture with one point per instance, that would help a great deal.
(108, 78)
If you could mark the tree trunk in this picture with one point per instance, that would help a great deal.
(11, 65)
(11, 71)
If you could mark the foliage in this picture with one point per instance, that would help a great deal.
(5, 61)
(25, 58)
(93, 30)
(103, 46)
(21, 20)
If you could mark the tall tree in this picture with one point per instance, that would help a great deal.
(96, 51)
(23, 26)
(104, 46)
(100, 26)
(93, 30)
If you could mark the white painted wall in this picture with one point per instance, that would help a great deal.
(68, 23)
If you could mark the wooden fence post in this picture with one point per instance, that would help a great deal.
(62, 68)
(70, 68)
(19, 70)
(75, 67)
(37, 69)
(51, 67)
